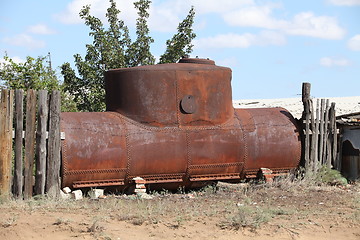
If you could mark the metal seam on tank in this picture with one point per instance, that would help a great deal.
(160, 176)
(299, 152)
(128, 149)
(173, 129)
(97, 132)
(188, 154)
(245, 149)
(217, 165)
(245, 146)
(177, 99)
(65, 157)
(92, 171)
(209, 68)
(244, 136)
(245, 158)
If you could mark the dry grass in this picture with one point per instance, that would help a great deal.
(287, 203)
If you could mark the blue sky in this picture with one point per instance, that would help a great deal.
(271, 46)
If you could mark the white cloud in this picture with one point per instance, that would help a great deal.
(232, 40)
(304, 24)
(97, 8)
(40, 29)
(334, 62)
(216, 6)
(24, 40)
(307, 24)
(176, 7)
(345, 2)
(254, 16)
(229, 40)
(71, 14)
(165, 16)
(163, 19)
(354, 43)
(16, 59)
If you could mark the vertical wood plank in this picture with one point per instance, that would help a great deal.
(321, 145)
(316, 132)
(42, 119)
(334, 136)
(306, 115)
(53, 164)
(306, 87)
(19, 127)
(331, 134)
(6, 108)
(325, 156)
(9, 134)
(328, 152)
(313, 137)
(29, 143)
(3, 151)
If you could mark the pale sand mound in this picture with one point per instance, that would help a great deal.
(344, 105)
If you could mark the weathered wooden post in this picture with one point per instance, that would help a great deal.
(4, 168)
(321, 144)
(326, 133)
(316, 132)
(53, 161)
(6, 121)
(336, 158)
(19, 127)
(333, 133)
(42, 120)
(313, 145)
(306, 115)
(29, 143)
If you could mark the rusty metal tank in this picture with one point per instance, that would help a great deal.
(174, 125)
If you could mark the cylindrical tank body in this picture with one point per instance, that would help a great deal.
(174, 124)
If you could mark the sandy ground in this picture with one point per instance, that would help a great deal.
(343, 105)
(285, 211)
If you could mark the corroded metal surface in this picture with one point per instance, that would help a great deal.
(174, 124)
(151, 95)
(272, 139)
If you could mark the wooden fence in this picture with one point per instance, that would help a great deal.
(34, 152)
(320, 133)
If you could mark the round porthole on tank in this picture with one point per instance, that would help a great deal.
(188, 104)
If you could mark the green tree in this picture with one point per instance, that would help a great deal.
(138, 53)
(112, 48)
(180, 44)
(34, 73)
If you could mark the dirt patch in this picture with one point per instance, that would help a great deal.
(228, 211)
